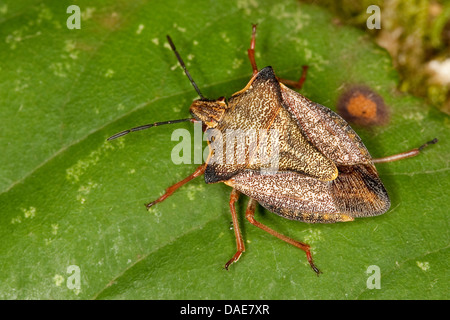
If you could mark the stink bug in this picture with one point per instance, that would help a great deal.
(324, 172)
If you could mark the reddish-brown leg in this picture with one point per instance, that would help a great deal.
(251, 55)
(251, 51)
(239, 242)
(250, 215)
(404, 155)
(198, 172)
(296, 84)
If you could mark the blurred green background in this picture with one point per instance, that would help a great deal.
(417, 36)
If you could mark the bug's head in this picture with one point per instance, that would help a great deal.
(210, 112)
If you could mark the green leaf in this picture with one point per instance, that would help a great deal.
(70, 198)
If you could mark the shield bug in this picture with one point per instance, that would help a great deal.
(323, 172)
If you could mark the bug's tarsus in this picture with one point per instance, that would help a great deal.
(172, 45)
(311, 263)
(435, 140)
(146, 126)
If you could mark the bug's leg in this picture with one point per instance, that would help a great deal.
(251, 51)
(239, 242)
(251, 55)
(250, 215)
(198, 172)
(296, 84)
(404, 155)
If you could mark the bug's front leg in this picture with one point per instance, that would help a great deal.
(251, 51)
(295, 84)
(198, 172)
(237, 232)
(250, 215)
(251, 56)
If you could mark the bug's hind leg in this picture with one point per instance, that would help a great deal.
(406, 154)
(250, 215)
(198, 172)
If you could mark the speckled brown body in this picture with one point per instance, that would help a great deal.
(325, 173)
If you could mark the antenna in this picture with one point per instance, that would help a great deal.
(184, 67)
(146, 126)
